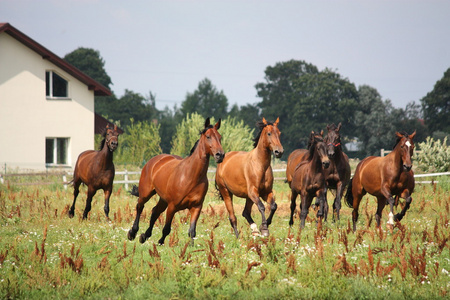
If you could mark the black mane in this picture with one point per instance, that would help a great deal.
(260, 125)
(103, 134)
(201, 132)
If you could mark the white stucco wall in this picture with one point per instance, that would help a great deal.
(27, 117)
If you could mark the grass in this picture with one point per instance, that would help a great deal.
(44, 254)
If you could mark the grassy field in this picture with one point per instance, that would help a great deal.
(44, 254)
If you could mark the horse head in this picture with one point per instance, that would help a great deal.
(318, 148)
(271, 135)
(405, 146)
(212, 140)
(112, 137)
(333, 139)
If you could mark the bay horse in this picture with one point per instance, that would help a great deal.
(338, 174)
(384, 178)
(96, 170)
(309, 181)
(180, 183)
(249, 175)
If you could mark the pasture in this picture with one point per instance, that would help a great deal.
(45, 254)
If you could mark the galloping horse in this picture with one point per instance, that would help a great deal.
(384, 177)
(249, 175)
(96, 170)
(180, 183)
(297, 156)
(308, 180)
(338, 174)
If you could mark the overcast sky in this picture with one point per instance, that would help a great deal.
(401, 48)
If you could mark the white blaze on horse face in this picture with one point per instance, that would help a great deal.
(408, 144)
(391, 218)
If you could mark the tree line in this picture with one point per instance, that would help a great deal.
(304, 97)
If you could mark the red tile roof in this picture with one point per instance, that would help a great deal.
(99, 89)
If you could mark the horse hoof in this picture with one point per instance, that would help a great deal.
(265, 232)
(390, 227)
(142, 238)
(131, 235)
(71, 214)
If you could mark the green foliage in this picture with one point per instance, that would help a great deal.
(436, 105)
(138, 144)
(236, 136)
(187, 133)
(206, 101)
(306, 99)
(434, 155)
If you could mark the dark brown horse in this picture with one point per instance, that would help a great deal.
(180, 183)
(249, 175)
(96, 170)
(338, 174)
(384, 178)
(309, 180)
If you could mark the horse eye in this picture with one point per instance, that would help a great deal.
(269, 133)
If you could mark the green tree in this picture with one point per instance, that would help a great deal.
(206, 101)
(249, 114)
(436, 105)
(139, 143)
(187, 133)
(306, 99)
(236, 136)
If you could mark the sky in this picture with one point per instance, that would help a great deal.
(399, 47)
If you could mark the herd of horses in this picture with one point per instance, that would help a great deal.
(182, 183)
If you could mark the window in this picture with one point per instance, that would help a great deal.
(55, 85)
(56, 151)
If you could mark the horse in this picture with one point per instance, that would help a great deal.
(337, 176)
(309, 181)
(297, 156)
(249, 175)
(384, 177)
(180, 183)
(406, 187)
(96, 170)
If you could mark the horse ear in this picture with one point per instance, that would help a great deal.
(207, 122)
(217, 126)
(412, 135)
(277, 121)
(115, 127)
(399, 135)
(264, 121)
(339, 126)
(321, 132)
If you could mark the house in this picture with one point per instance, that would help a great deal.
(46, 105)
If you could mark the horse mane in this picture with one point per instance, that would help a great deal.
(200, 132)
(260, 125)
(103, 134)
(315, 140)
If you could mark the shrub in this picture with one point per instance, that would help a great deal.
(434, 155)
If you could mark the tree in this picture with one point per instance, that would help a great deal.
(91, 63)
(436, 105)
(206, 101)
(306, 99)
(187, 133)
(236, 136)
(249, 114)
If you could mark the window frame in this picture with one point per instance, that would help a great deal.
(56, 152)
(49, 86)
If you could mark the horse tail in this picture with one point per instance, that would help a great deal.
(349, 194)
(218, 194)
(134, 191)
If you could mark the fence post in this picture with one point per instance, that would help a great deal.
(65, 181)
(382, 152)
(126, 179)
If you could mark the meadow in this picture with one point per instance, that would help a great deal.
(45, 254)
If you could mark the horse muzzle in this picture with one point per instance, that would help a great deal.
(219, 156)
(113, 146)
(326, 164)
(407, 168)
(278, 153)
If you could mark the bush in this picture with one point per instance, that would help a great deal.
(434, 155)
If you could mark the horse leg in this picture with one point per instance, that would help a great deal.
(337, 201)
(156, 212)
(167, 227)
(399, 216)
(247, 214)
(254, 196)
(356, 201)
(323, 208)
(195, 214)
(294, 195)
(139, 208)
(90, 194)
(381, 204)
(76, 191)
(228, 200)
(306, 200)
(107, 192)
(270, 199)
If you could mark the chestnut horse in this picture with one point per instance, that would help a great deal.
(308, 180)
(96, 170)
(180, 183)
(338, 174)
(249, 175)
(384, 178)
